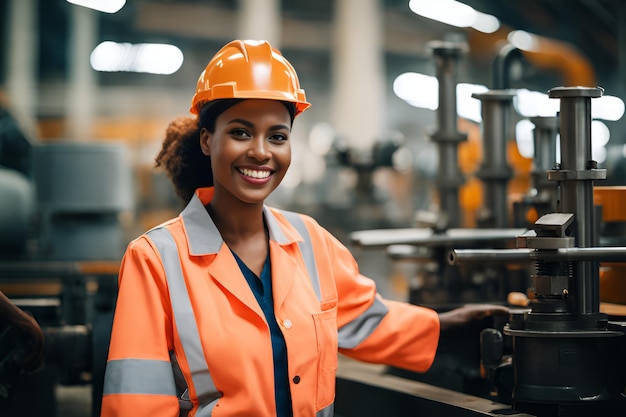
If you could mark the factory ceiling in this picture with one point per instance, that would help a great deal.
(594, 29)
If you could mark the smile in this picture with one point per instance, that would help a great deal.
(254, 173)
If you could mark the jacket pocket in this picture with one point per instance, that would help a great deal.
(326, 334)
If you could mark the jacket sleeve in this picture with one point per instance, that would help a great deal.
(375, 330)
(139, 379)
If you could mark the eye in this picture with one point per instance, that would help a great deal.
(279, 137)
(239, 133)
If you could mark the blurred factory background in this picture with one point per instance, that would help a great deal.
(355, 62)
(425, 115)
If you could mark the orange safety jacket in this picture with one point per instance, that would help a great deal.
(184, 308)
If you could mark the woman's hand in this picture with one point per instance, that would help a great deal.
(469, 313)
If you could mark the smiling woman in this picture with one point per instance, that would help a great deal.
(249, 150)
(237, 307)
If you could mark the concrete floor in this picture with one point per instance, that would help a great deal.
(73, 401)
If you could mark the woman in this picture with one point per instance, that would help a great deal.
(235, 308)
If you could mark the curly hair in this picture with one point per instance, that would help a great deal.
(181, 156)
(182, 159)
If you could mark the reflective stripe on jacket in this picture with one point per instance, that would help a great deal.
(182, 292)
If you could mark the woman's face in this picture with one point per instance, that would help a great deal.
(250, 149)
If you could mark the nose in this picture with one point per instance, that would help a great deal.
(259, 149)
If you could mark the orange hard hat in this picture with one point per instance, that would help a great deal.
(249, 69)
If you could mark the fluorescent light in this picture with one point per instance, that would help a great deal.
(455, 13)
(533, 103)
(467, 106)
(151, 58)
(524, 138)
(422, 91)
(106, 6)
(486, 23)
(607, 108)
(522, 40)
(446, 11)
(599, 154)
(600, 134)
(418, 90)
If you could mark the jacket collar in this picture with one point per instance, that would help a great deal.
(202, 234)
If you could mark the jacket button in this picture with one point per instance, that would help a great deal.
(296, 379)
(287, 324)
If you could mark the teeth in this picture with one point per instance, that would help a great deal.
(255, 174)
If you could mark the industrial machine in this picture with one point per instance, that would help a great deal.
(557, 355)
(62, 238)
(438, 231)
(567, 355)
(436, 283)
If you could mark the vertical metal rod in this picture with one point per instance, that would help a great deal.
(544, 156)
(576, 175)
(446, 56)
(495, 171)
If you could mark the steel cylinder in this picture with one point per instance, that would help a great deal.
(446, 56)
(575, 175)
(544, 155)
(569, 374)
(494, 170)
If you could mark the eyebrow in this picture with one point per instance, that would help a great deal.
(251, 125)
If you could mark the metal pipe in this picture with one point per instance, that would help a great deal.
(466, 256)
(494, 170)
(427, 237)
(544, 156)
(575, 175)
(501, 69)
(599, 254)
(446, 55)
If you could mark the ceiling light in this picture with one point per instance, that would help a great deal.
(422, 91)
(522, 40)
(418, 90)
(151, 58)
(607, 107)
(455, 13)
(533, 103)
(486, 23)
(106, 6)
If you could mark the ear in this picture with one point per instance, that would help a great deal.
(205, 141)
